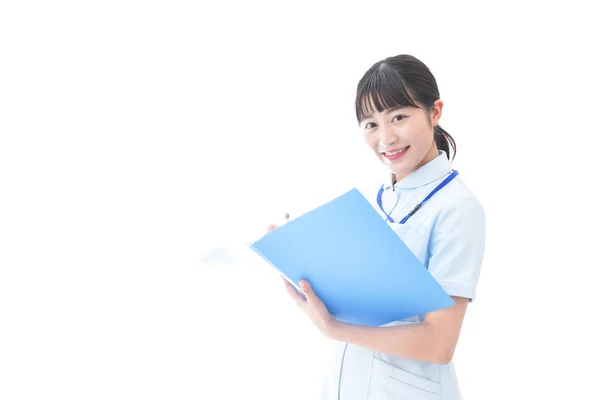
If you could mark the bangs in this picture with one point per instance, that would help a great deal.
(380, 89)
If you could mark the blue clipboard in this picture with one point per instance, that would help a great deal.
(357, 265)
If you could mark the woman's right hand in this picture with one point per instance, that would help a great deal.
(272, 227)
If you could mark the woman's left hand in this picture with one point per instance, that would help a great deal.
(312, 306)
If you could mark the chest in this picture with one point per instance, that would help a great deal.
(415, 232)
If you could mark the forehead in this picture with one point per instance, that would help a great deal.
(375, 104)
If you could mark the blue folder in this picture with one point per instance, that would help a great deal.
(357, 265)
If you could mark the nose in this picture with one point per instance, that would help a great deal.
(387, 137)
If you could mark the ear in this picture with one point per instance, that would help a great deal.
(436, 112)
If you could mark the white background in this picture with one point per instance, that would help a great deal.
(137, 136)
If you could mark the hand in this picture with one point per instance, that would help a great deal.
(272, 227)
(312, 306)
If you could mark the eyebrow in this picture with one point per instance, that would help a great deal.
(387, 112)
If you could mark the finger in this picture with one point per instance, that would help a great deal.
(307, 290)
(291, 288)
(272, 227)
(298, 297)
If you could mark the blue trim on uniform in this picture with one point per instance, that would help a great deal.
(448, 179)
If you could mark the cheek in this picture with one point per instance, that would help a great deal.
(421, 136)
(372, 141)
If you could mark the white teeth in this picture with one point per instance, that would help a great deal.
(395, 152)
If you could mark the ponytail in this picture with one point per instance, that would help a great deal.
(444, 141)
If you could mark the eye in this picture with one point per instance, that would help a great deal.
(398, 118)
(370, 125)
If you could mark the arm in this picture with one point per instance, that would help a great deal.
(432, 340)
(457, 248)
(456, 254)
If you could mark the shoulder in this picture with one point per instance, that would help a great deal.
(460, 212)
(462, 199)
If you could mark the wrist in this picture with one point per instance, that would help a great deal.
(334, 330)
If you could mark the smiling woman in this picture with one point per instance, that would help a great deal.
(440, 220)
(399, 108)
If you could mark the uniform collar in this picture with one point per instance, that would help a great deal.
(430, 172)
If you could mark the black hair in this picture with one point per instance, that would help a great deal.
(401, 81)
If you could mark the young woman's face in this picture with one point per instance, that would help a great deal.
(402, 138)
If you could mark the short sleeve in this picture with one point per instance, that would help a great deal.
(457, 246)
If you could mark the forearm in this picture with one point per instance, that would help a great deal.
(414, 341)
(432, 340)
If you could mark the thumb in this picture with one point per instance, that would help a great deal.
(272, 227)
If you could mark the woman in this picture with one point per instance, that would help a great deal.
(398, 108)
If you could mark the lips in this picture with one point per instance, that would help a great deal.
(395, 154)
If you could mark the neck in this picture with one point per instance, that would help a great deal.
(430, 156)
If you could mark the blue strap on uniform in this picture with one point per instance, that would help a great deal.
(418, 206)
(379, 203)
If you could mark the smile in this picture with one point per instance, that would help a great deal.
(395, 154)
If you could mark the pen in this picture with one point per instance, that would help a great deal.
(286, 218)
